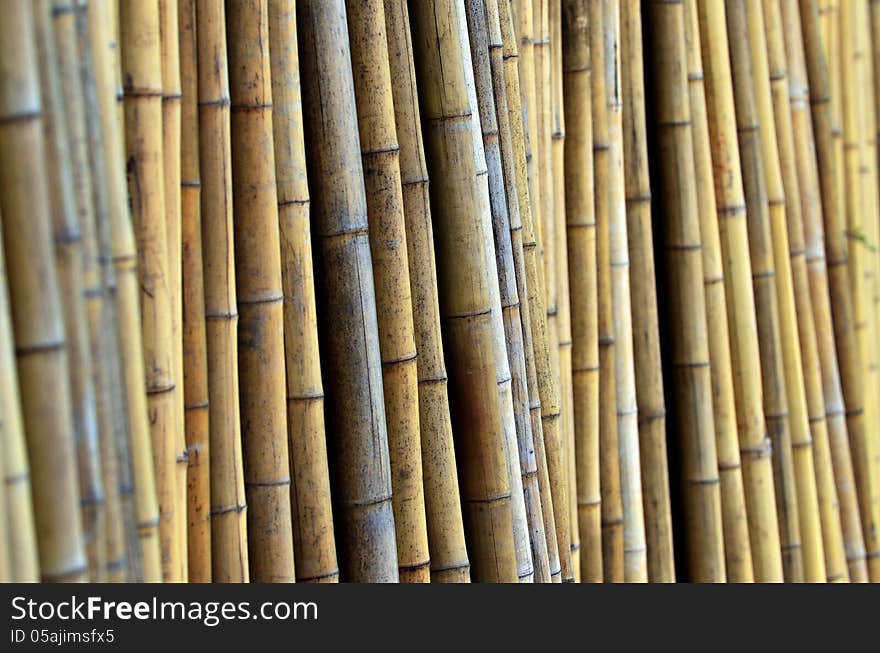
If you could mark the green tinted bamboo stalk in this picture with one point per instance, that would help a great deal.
(464, 292)
(646, 336)
(829, 512)
(5, 553)
(37, 318)
(446, 543)
(357, 432)
(704, 539)
(731, 210)
(310, 491)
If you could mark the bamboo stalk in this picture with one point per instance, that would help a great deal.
(464, 293)
(691, 373)
(731, 210)
(828, 510)
(609, 464)
(118, 241)
(195, 364)
(836, 253)
(446, 543)
(260, 295)
(646, 337)
(310, 491)
(505, 214)
(5, 554)
(357, 431)
(41, 350)
(529, 276)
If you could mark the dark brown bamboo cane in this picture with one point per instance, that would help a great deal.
(609, 464)
(37, 318)
(358, 444)
(731, 210)
(446, 543)
(529, 278)
(737, 547)
(829, 512)
(836, 252)
(581, 243)
(504, 214)
(464, 294)
(70, 198)
(704, 539)
(380, 156)
(118, 240)
(229, 549)
(757, 213)
(260, 295)
(646, 337)
(310, 490)
(195, 364)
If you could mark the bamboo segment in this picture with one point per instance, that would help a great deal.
(612, 506)
(646, 337)
(635, 550)
(684, 258)
(810, 58)
(505, 223)
(828, 510)
(195, 363)
(529, 274)
(764, 275)
(581, 243)
(731, 210)
(260, 296)
(359, 457)
(446, 543)
(464, 293)
(380, 155)
(310, 490)
(38, 326)
(145, 554)
(5, 553)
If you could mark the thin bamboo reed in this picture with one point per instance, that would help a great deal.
(358, 443)
(581, 243)
(828, 509)
(646, 336)
(37, 318)
(609, 463)
(313, 535)
(683, 257)
(755, 445)
(446, 543)
(195, 363)
(259, 294)
(229, 549)
(5, 553)
(464, 293)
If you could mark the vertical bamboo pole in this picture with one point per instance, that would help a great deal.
(41, 350)
(829, 512)
(446, 544)
(836, 252)
(6, 555)
(731, 210)
(464, 293)
(361, 475)
(758, 219)
(195, 364)
(704, 539)
(144, 563)
(229, 550)
(260, 295)
(609, 462)
(313, 535)
(529, 276)
(504, 214)
(581, 273)
(646, 336)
